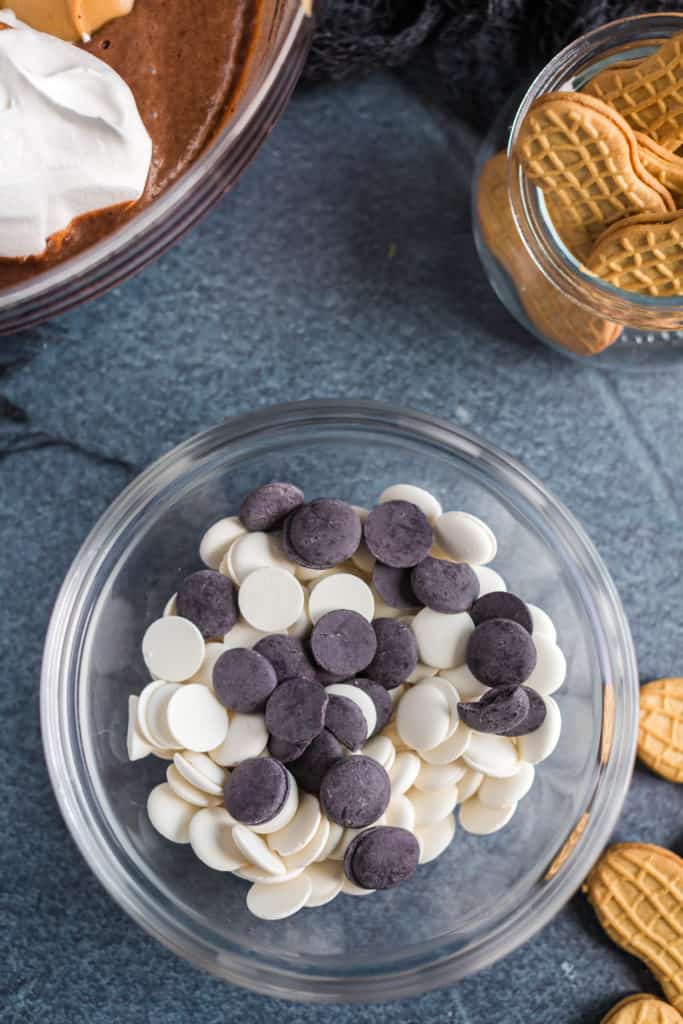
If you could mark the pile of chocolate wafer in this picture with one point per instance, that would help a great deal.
(605, 159)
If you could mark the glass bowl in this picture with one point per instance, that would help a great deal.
(485, 895)
(280, 46)
(569, 299)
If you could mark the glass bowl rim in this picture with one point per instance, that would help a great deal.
(297, 979)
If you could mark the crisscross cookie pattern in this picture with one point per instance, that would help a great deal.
(646, 258)
(586, 165)
(637, 892)
(660, 737)
(642, 1008)
(650, 94)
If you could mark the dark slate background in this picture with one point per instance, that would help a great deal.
(342, 265)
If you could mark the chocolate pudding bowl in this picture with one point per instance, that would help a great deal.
(165, 104)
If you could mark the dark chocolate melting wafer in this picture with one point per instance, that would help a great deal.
(394, 586)
(381, 857)
(208, 599)
(500, 710)
(267, 506)
(355, 792)
(243, 680)
(256, 790)
(310, 769)
(396, 655)
(343, 642)
(324, 532)
(499, 604)
(501, 653)
(535, 715)
(379, 695)
(346, 721)
(447, 587)
(287, 655)
(398, 533)
(296, 710)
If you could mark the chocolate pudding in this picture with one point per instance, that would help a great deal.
(185, 64)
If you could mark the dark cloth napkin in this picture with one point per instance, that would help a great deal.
(475, 52)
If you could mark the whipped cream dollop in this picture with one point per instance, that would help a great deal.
(71, 138)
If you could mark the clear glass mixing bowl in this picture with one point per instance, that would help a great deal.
(485, 895)
(280, 46)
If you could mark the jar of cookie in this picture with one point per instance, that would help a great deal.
(578, 198)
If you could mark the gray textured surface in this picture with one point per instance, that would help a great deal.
(342, 265)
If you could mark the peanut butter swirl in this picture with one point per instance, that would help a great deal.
(69, 19)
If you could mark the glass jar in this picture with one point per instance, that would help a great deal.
(533, 273)
(280, 48)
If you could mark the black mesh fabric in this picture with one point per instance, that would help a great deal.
(477, 51)
(356, 36)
